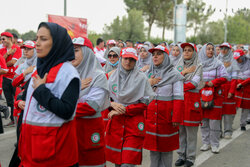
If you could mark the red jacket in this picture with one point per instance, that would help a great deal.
(124, 136)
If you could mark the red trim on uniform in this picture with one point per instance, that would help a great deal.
(177, 110)
(107, 75)
(53, 73)
(84, 109)
(34, 74)
(135, 109)
(245, 82)
(218, 81)
(188, 86)
(18, 80)
(233, 86)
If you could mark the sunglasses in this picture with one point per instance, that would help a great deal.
(224, 48)
(114, 56)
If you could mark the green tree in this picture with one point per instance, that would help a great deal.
(148, 7)
(197, 15)
(211, 32)
(93, 36)
(31, 35)
(131, 27)
(238, 27)
(13, 31)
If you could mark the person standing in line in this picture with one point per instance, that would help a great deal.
(164, 113)
(130, 92)
(229, 103)
(242, 93)
(48, 133)
(94, 98)
(176, 54)
(23, 73)
(109, 68)
(99, 50)
(191, 68)
(145, 58)
(214, 74)
(11, 53)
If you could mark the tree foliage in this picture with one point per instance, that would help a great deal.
(197, 14)
(31, 35)
(131, 27)
(149, 10)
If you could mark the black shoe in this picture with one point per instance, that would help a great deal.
(6, 112)
(188, 163)
(179, 162)
(243, 128)
(248, 122)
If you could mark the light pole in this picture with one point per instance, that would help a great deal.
(175, 35)
(225, 35)
(65, 7)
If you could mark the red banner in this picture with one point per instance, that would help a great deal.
(76, 27)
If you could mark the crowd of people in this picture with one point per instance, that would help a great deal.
(79, 105)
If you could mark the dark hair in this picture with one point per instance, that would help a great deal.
(99, 40)
(15, 36)
(128, 40)
(45, 25)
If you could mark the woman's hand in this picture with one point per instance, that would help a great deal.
(210, 84)
(118, 107)
(37, 81)
(176, 124)
(110, 73)
(239, 86)
(145, 68)
(21, 105)
(230, 95)
(188, 70)
(85, 83)
(154, 80)
(112, 113)
(227, 64)
(28, 70)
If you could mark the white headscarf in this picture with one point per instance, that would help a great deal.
(245, 65)
(208, 63)
(27, 63)
(175, 59)
(147, 61)
(166, 71)
(194, 61)
(108, 67)
(229, 58)
(91, 68)
(128, 87)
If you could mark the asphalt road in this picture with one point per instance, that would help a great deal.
(235, 152)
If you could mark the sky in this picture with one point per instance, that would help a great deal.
(25, 15)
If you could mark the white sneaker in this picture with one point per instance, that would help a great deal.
(215, 150)
(205, 147)
(228, 136)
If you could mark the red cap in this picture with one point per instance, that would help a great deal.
(139, 46)
(7, 34)
(238, 53)
(189, 44)
(83, 41)
(159, 47)
(111, 41)
(28, 44)
(129, 52)
(226, 44)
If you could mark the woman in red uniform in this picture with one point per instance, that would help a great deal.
(191, 68)
(129, 89)
(93, 100)
(242, 93)
(214, 74)
(23, 74)
(165, 111)
(229, 103)
(48, 134)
